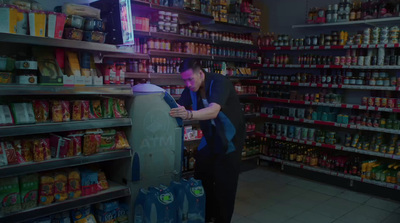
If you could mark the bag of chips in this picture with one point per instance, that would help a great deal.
(29, 187)
(56, 111)
(75, 145)
(27, 150)
(23, 113)
(95, 109)
(108, 105)
(91, 142)
(46, 189)
(41, 109)
(121, 142)
(60, 186)
(5, 116)
(17, 144)
(85, 110)
(74, 184)
(103, 183)
(107, 140)
(11, 153)
(9, 195)
(41, 150)
(89, 182)
(66, 111)
(77, 110)
(3, 156)
(119, 109)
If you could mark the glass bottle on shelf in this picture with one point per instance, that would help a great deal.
(353, 12)
(329, 14)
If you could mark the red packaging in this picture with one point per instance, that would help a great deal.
(66, 111)
(371, 101)
(74, 145)
(85, 110)
(27, 150)
(378, 102)
(391, 103)
(364, 101)
(58, 146)
(41, 150)
(41, 110)
(11, 153)
(56, 111)
(17, 144)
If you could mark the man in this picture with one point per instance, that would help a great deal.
(216, 105)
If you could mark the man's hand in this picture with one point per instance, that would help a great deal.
(179, 112)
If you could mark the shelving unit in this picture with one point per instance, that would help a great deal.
(356, 67)
(338, 47)
(114, 192)
(16, 90)
(369, 22)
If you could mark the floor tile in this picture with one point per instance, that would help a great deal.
(354, 196)
(393, 218)
(335, 207)
(287, 210)
(236, 217)
(365, 213)
(268, 216)
(327, 189)
(246, 220)
(386, 205)
(313, 217)
(245, 208)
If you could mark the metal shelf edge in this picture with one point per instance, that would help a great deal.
(7, 90)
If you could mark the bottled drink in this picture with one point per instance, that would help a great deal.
(329, 14)
(353, 12)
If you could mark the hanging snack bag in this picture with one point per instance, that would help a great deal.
(46, 189)
(56, 111)
(60, 186)
(108, 105)
(41, 150)
(119, 109)
(3, 156)
(11, 153)
(74, 184)
(121, 142)
(66, 111)
(29, 187)
(91, 142)
(103, 183)
(23, 113)
(95, 109)
(107, 140)
(75, 145)
(77, 110)
(90, 182)
(9, 195)
(85, 110)
(27, 150)
(5, 116)
(41, 109)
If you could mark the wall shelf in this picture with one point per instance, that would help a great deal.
(13, 89)
(369, 22)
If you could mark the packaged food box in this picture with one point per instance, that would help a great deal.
(23, 113)
(94, 36)
(22, 21)
(9, 195)
(6, 77)
(6, 64)
(75, 21)
(55, 25)
(72, 33)
(29, 188)
(8, 18)
(37, 23)
(92, 24)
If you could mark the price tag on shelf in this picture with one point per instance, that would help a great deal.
(364, 45)
(346, 46)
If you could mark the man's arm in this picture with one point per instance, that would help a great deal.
(211, 112)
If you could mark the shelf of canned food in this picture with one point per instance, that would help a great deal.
(335, 105)
(338, 47)
(334, 124)
(330, 172)
(338, 86)
(329, 146)
(367, 22)
(306, 66)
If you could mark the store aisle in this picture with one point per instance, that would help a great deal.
(268, 196)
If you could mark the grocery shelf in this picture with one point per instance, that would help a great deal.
(234, 59)
(339, 86)
(338, 47)
(324, 66)
(235, 44)
(246, 95)
(136, 75)
(332, 124)
(64, 43)
(369, 22)
(115, 191)
(12, 89)
(250, 157)
(243, 77)
(139, 56)
(335, 105)
(49, 127)
(192, 140)
(34, 167)
(141, 6)
(230, 27)
(330, 172)
(161, 53)
(164, 76)
(329, 146)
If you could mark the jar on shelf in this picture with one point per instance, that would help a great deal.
(161, 15)
(372, 81)
(182, 30)
(174, 28)
(174, 17)
(157, 44)
(168, 16)
(167, 27)
(161, 26)
(150, 44)
(379, 82)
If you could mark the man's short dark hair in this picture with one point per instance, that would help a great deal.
(188, 64)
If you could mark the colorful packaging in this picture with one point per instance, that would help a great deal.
(56, 111)
(62, 217)
(95, 109)
(23, 113)
(88, 219)
(85, 110)
(77, 110)
(41, 150)
(119, 109)
(122, 215)
(74, 184)
(9, 195)
(10, 153)
(107, 211)
(27, 150)
(58, 146)
(3, 156)
(108, 105)
(17, 144)
(91, 142)
(41, 109)
(121, 142)
(103, 183)
(5, 116)
(66, 113)
(46, 189)
(89, 182)
(29, 187)
(107, 140)
(60, 186)
(75, 145)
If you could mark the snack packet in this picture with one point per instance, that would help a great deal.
(29, 187)
(41, 109)
(108, 105)
(91, 142)
(75, 145)
(66, 111)
(121, 141)
(103, 183)
(46, 189)
(77, 110)
(3, 156)
(17, 144)
(9, 195)
(85, 110)
(74, 184)
(11, 153)
(5, 116)
(41, 150)
(119, 109)
(107, 140)
(81, 213)
(27, 150)
(60, 186)
(95, 109)
(89, 182)
(56, 111)
(23, 113)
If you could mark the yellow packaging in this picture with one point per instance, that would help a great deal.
(37, 23)
(60, 187)
(72, 66)
(8, 18)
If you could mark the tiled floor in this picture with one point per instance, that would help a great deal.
(267, 196)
